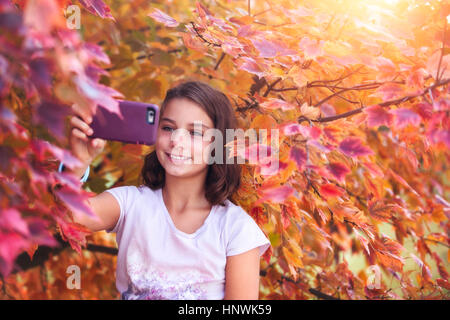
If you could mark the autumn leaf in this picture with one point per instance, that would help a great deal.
(277, 103)
(353, 147)
(309, 112)
(299, 156)
(378, 116)
(330, 190)
(275, 194)
(160, 16)
(404, 116)
(339, 170)
(97, 7)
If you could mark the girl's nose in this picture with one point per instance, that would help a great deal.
(180, 137)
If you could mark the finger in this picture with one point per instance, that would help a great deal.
(79, 134)
(98, 143)
(81, 125)
(78, 111)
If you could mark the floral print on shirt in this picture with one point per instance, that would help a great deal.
(150, 283)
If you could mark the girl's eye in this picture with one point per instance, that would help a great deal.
(196, 133)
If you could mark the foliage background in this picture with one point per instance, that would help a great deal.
(358, 89)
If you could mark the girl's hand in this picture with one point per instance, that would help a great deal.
(83, 147)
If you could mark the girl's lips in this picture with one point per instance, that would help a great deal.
(176, 161)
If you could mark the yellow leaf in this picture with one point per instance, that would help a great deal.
(292, 258)
(310, 112)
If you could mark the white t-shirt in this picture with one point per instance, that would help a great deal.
(158, 261)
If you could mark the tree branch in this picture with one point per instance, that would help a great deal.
(270, 87)
(42, 254)
(220, 60)
(201, 37)
(382, 104)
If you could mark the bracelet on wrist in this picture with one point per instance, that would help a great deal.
(85, 176)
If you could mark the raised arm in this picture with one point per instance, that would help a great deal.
(104, 205)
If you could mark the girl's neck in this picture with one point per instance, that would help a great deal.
(184, 194)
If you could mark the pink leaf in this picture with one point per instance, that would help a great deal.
(256, 153)
(271, 49)
(11, 219)
(272, 167)
(96, 52)
(276, 195)
(277, 103)
(75, 202)
(160, 16)
(250, 65)
(404, 116)
(11, 244)
(377, 116)
(97, 7)
(311, 48)
(321, 147)
(266, 48)
(327, 110)
(299, 156)
(388, 91)
(41, 147)
(352, 147)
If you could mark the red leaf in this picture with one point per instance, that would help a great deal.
(404, 116)
(330, 190)
(286, 222)
(352, 147)
(443, 283)
(339, 170)
(377, 116)
(160, 16)
(276, 195)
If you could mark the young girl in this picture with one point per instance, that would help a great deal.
(179, 235)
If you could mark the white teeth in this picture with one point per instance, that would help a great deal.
(178, 158)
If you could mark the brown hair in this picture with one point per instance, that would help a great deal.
(222, 180)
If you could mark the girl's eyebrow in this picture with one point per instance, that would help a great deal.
(173, 121)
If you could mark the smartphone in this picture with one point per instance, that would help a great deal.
(138, 126)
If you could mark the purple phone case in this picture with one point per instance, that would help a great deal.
(138, 126)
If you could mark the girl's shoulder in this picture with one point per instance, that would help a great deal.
(232, 212)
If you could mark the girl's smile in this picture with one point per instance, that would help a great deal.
(178, 159)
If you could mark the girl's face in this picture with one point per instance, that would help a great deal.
(178, 136)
